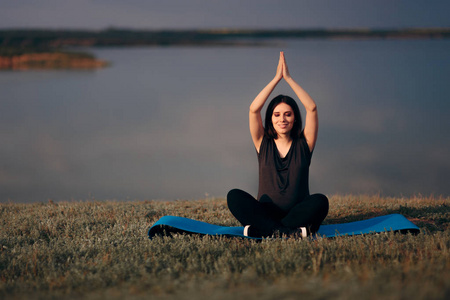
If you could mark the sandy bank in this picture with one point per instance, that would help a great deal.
(50, 61)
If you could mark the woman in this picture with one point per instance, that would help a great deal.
(284, 205)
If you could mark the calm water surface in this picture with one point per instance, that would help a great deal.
(171, 123)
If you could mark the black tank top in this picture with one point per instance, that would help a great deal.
(284, 180)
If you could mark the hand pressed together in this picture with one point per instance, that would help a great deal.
(282, 69)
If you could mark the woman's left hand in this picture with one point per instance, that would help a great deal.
(286, 74)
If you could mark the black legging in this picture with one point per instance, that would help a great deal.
(268, 218)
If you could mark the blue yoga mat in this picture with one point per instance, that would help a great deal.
(395, 222)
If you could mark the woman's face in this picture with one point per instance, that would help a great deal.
(283, 119)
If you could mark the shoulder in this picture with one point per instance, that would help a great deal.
(303, 145)
(265, 144)
(265, 141)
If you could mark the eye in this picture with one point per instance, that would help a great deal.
(276, 114)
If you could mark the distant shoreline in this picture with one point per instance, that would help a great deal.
(23, 49)
(50, 60)
(129, 37)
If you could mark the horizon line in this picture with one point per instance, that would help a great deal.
(232, 29)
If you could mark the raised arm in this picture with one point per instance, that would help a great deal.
(255, 120)
(312, 119)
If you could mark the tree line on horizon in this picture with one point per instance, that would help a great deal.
(47, 38)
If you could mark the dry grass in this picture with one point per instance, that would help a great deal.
(96, 250)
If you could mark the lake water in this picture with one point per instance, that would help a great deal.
(172, 122)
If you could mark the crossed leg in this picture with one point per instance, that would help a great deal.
(267, 218)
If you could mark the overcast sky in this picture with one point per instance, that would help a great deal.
(182, 14)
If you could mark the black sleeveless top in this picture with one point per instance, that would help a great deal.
(284, 180)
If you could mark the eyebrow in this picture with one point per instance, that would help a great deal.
(287, 111)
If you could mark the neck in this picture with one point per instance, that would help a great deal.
(284, 138)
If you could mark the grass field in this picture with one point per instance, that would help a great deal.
(99, 249)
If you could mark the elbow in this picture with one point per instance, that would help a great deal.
(312, 108)
(254, 110)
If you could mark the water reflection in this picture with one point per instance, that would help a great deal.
(168, 123)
